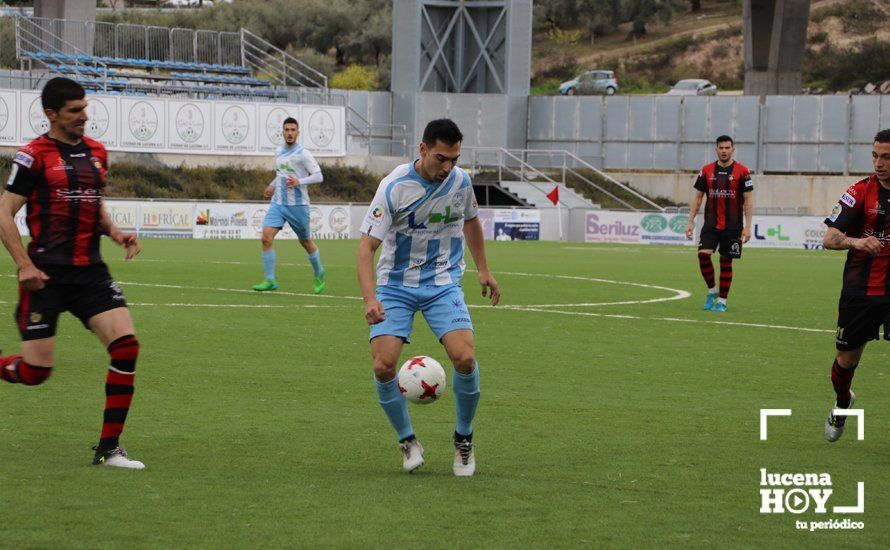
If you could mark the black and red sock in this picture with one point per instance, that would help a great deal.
(118, 389)
(842, 379)
(725, 276)
(706, 266)
(15, 370)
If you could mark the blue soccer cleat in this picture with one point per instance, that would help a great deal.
(710, 301)
(719, 307)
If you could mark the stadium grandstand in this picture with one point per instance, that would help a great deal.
(114, 58)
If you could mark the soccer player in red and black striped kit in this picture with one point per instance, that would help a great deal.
(730, 202)
(60, 177)
(860, 224)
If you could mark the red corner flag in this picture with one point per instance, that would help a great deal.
(554, 196)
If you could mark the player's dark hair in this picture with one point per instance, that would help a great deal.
(59, 91)
(883, 136)
(724, 138)
(444, 130)
(290, 120)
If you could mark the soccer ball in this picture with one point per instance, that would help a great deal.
(422, 380)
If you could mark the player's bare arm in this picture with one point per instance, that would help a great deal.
(125, 239)
(476, 244)
(748, 205)
(269, 190)
(364, 267)
(835, 239)
(30, 278)
(694, 205)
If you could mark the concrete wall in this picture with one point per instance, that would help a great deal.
(817, 193)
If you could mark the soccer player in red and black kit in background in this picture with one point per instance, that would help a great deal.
(860, 223)
(60, 176)
(730, 199)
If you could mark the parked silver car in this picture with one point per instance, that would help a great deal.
(693, 86)
(590, 83)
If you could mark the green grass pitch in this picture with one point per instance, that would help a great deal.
(628, 425)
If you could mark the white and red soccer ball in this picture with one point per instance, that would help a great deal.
(422, 380)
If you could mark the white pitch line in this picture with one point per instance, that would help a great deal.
(670, 319)
(240, 290)
(678, 294)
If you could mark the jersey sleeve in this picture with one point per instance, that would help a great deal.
(309, 162)
(746, 182)
(380, 214)
(846, 211)
(25, 173)
(701, 182)
(471, 207)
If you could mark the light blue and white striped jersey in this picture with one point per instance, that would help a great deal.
(421, 226)
(299, 162)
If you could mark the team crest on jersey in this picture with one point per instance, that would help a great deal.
(35, 317)
(96, 163)
(835, 212)
(458, 201)
(24, 159)
(848, 199)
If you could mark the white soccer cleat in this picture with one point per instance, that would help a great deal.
(413, 452)
(117, 458)
(834, 425)
(464, 458)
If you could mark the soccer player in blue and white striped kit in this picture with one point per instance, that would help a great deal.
(295, 168)
(422, 213)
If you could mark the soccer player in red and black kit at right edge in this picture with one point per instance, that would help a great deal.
(60, 176)
(860, 224)
(730, 200)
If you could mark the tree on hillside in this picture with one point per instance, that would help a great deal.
(643, 12)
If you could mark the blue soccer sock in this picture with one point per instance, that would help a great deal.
(269, 263)
(315, 260)
(395, 406)
(466, 398)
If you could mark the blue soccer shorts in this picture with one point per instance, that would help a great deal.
(295, 216)
(443, 307)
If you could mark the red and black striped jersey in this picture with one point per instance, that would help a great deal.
(862, 212)
(724, 187)
(64, 185)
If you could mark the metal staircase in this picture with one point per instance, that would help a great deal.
(531, 174)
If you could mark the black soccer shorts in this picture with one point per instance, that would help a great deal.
(859, 320)
(85, 291)
(729, 241)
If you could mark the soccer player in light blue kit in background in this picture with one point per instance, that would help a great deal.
(295, 168)
(421, 214)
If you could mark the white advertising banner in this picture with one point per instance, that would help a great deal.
(654, 228)
(189, 128)
(143, 124)
(102, 123)
(8, 113)
(323, 129)
(235, 126)
(32, 121)
(124, 214)
(604, 226)
(328, 221)
(169, 220)
(215, 220)
(271, 121)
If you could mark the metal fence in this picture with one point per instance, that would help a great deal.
(121, 40)
(779, 134)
